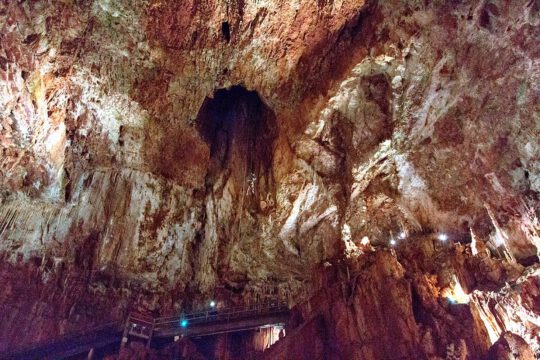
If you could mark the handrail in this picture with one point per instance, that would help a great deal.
(212, 315)
(161, 323)
(262, 306)
(141, 319)
(228, 311)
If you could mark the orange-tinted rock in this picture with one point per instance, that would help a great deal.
(380, 118)
(510, 346)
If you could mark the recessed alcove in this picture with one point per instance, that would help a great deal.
(240, 130)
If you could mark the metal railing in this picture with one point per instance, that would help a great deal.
(140, 325)
(218, 315)
(143, 326)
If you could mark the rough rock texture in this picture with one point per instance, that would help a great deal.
(514, 311)
(396, 305)
(243, 345)
(510, 346)
(130, 178)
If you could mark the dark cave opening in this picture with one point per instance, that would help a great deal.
(418, 311)
(240, 130)
(208, 346)
(226, 31)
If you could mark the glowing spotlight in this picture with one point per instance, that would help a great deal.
(212, 303)
(183, 323)
(442, 237)
(393, 242)
(402, 235)
(364, 241)
(455, 293)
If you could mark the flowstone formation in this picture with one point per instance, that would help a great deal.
(375, 164)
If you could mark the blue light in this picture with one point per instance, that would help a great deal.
(183, 323)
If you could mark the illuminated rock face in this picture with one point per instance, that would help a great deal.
(154, 154)
(400, 304)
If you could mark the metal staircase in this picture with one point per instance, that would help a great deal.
(139, 326)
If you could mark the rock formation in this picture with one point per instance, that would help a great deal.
(369, 162)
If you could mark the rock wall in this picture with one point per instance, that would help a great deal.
(390, 117)
(393, 304)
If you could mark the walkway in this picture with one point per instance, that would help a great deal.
(205, 323)
(213, 322)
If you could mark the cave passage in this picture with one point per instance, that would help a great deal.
(240, 131)
(226, 31)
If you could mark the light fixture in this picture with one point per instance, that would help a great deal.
(454, 293)
(212, 303)
(183, 323)
(364, 241)
(392, 242)
(402, 235)
(442, 237)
